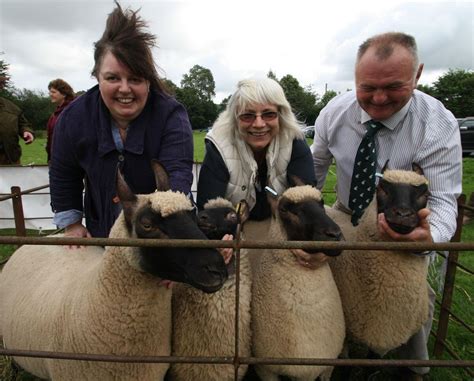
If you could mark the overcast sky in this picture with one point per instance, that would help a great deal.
(315, 41)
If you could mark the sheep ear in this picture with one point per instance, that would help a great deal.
(161, 176)
(128, 199)
(417, 169)
(385, 166)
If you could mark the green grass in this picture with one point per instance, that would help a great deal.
(459, 339)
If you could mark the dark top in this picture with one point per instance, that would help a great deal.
(84, 152)
(214, 177)
(53, 119)
(12, 126)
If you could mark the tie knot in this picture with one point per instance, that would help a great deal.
(373, 126)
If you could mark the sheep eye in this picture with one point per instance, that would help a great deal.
(146, 224)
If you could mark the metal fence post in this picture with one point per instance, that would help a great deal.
(448, 289)
(18, 211)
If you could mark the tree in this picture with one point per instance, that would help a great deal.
(6, 90)
(170, 86)
(455, 90)
(427, 89)
(201, 113)
(328, 95)
(196, 92)
(36, 106)
(222, 106)
(303, 101)
(200, 79)
(272, 75)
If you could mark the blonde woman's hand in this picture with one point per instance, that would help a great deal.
(310, 261)
(226, 252)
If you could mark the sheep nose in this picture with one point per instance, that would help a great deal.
(203, 217)
(333, 234)
(403, 212)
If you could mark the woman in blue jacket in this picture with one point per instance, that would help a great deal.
(127, 119)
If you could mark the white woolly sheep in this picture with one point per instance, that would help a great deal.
(204, 324)
(384, 293)
(92, 300)
(296, 311)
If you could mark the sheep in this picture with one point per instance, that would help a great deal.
(204, 324)
(384, 293)
(106, 301)
(296, 311)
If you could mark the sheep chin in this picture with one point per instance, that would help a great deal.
(403, 227)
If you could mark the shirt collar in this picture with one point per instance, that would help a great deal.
(391, 122)
(135, 132)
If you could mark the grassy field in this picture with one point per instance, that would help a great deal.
(461, 341)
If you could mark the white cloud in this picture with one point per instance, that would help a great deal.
(316, 42)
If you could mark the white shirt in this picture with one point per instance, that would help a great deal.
(422, 132)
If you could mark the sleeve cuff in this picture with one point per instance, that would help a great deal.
(66, 218)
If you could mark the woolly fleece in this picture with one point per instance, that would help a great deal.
(384, 293)
(200, 318)
(204, 325)
(296, 312)
(88, 300)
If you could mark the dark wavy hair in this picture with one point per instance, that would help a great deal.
(63, 87)
(126, 38)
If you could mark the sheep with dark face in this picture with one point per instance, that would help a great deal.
(384, 293)
(108, 301)
(296, 311)
(203, 324)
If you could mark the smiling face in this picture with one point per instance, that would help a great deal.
(258, 133)
(123, 93)
(384, 86)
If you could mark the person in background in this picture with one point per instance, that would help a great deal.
(61, 94)
(256, 140)
(414, 127)
(126, 120)
(13, 125)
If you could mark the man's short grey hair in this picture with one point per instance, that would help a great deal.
(385, 44)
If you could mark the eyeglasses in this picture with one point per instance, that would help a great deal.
(249, 117)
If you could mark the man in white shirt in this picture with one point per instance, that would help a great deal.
(416, 129)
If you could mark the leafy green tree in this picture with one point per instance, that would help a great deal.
(222, 106)
(328, 95)
(36, 106)
(456, 90)
(196, 93)
(272, 75)
(303, 101)
(170, 86)
(202, 113)
(202, 80)
(7, 87)
(427, 89)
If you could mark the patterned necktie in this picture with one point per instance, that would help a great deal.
(363, 175)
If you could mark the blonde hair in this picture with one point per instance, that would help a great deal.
(261, 91)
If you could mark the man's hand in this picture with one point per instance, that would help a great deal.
(28, 137)
(421, 233)
(310, 261)
(76, 230)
